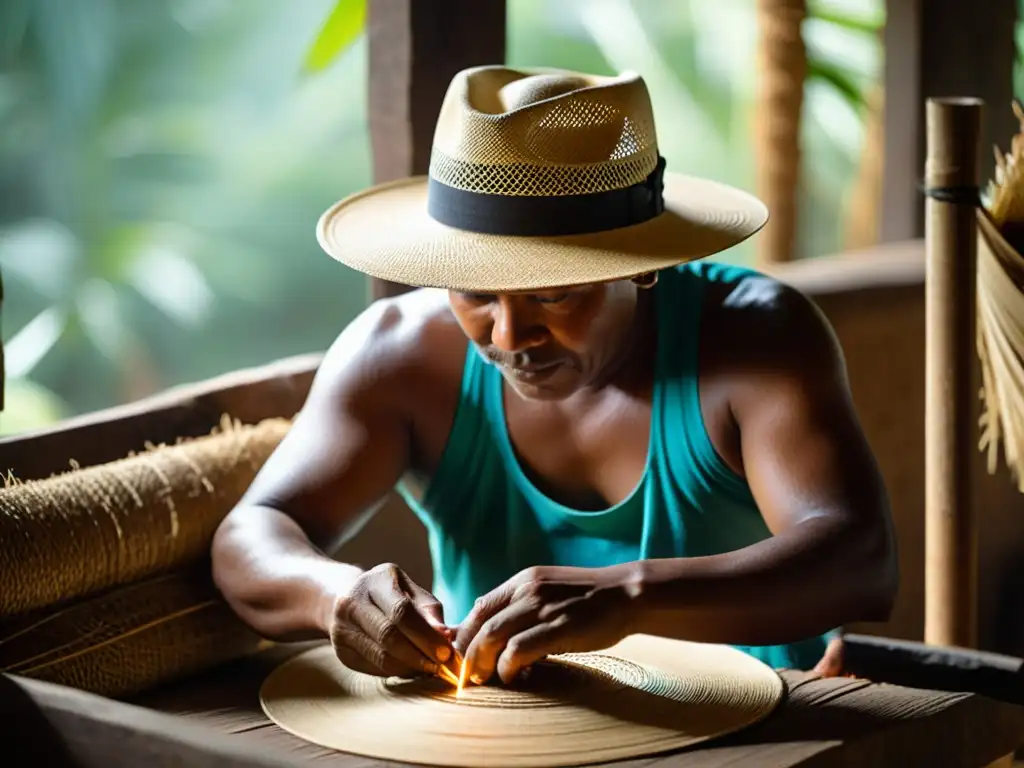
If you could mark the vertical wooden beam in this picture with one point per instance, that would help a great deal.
(934, 49)
(781, 64)
(903, 121)
(952, 170)
(3, 368)
(415, 48)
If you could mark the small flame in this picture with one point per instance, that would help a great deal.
(462, 679)
(448, 675)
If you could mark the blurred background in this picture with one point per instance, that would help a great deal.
(162, 167)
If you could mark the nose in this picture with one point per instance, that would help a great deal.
(514, 329)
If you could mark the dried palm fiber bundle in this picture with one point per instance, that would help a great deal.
(89, 529)
(129, 638)
(1001, 309)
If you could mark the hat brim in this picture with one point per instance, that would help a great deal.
(386, 232)
(643, 697)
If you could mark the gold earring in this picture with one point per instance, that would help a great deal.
(646, 280)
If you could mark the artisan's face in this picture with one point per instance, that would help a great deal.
(548, 344)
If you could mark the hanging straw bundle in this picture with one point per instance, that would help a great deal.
(1001, 309)
(90, 529)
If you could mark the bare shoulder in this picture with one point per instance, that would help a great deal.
(360, 427)
(391, 344)
(762, 331)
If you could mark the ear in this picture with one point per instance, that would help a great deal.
(646, 280)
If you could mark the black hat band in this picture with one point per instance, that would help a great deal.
(548, 216)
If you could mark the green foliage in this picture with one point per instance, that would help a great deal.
(867, 18)
(838, 79)
(161, 170)
(343, 26)
(162, 167)
(29, 406)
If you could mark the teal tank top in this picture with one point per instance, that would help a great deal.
(486, 521)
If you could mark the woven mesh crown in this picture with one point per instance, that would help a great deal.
(517, 133)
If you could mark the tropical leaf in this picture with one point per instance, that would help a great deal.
(838, 78)
(345, 24)
(835, 13)
(14, 20)
(29, 406)
(34, 341)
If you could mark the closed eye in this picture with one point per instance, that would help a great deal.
(551, 299)
(478, 298)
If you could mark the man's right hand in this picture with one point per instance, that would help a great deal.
(387, 625)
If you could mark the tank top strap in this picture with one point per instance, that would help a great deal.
(469, 438)
(689, 453)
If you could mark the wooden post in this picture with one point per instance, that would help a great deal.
(782, 69)
(934, 48)
(416, 47)
(3, 367)
(952, 178)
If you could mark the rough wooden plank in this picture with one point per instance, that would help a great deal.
(916, 665)
(250, 395)
(853, 273)
(934, 49)
(3, 367)
(416, 47)
(43, 724)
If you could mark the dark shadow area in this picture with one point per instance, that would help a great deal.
(915, 665)
(27, 737)
(47, 725)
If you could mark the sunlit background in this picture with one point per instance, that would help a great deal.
(162, 166)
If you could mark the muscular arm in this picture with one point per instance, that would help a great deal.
(832, 558)
(345, 451)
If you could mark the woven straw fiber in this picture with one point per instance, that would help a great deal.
(643, 696)
(130, 638)
(90, 529)
(536, 133)
(516, 139)
(1001, 311)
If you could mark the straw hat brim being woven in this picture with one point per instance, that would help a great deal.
(644, 696)
(538, 179)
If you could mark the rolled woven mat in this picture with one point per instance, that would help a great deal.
(90, 529)
(643, 696)
(130, 638)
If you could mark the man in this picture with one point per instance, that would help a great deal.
(602, 434)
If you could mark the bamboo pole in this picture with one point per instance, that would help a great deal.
(952, 178)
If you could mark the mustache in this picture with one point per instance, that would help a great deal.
(518, 360)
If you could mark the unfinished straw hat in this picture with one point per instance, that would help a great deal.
(538, 179)
(643, 696)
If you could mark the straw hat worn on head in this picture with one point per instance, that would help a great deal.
(538, 179)
(643, 696)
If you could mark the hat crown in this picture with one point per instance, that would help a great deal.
(543, 133)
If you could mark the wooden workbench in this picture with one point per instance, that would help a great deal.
(837, 722)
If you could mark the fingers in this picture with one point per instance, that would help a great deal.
(427, 604)
(483, 609)
(379, 639)
(533, 644)
(432, 610)
(832, 662)
(494, 636)
(402, 616)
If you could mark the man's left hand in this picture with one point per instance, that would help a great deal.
(543, 611)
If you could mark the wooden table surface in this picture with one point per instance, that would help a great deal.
(833, 722)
